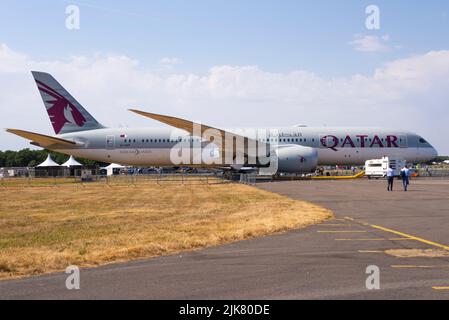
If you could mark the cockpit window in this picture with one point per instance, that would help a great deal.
(421, 140)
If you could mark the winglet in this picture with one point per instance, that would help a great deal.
(172, 121)
(155, 116)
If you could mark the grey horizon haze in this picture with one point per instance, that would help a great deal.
(231, 65)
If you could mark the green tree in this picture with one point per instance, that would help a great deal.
(2, 159)
(31, 158)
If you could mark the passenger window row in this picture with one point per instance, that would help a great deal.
(198, 140)
(294, 140)
(162, 140)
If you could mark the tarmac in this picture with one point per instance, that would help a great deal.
(325, 261)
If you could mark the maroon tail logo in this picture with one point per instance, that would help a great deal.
(61, 111)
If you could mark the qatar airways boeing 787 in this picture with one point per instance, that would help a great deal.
(294, 149)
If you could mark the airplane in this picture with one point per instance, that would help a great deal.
(297, 149)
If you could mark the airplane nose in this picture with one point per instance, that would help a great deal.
(434, 153)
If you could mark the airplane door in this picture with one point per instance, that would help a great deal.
(403, 141)
(110, 142)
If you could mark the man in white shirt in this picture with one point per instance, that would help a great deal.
(390, 178)
(405, 174)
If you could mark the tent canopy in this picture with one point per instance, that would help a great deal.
(48, 163)
(71, 163)
(114, 166)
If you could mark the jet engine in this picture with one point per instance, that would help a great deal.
(296, 159)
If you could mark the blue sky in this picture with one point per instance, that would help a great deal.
(315, 61)
(275, 35)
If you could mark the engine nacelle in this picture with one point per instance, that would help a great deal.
(296, 159)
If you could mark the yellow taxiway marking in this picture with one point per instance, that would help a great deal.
(341, 231)
(412, 237)
(371, 251)
(402, 234)
(419, 266)
(374, 239)
(440, 288)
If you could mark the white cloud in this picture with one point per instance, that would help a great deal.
(365, 43)
(168, 63)
(11, 61)
(410, 93)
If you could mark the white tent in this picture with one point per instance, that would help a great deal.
(71, 163)
(48, 163)
(110, 168)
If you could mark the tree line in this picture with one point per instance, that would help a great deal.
(31, 158)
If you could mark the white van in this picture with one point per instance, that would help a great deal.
(377, 168)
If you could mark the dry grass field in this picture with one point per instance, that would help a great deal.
(46, 229)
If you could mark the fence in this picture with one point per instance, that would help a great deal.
(118, 180)
(161, 179)
(434, 172)
(248, 178)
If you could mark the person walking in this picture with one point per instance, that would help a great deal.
(390, 178)
(405, 174)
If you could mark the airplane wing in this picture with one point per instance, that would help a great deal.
(212, 132)
(41, 139)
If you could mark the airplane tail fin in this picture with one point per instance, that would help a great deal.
(65, 113)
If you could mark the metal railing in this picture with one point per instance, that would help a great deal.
(248, 178)
(116, 180)
(434, 172)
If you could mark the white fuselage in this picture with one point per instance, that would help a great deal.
(335, 146)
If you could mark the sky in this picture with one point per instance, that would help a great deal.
(231, 63)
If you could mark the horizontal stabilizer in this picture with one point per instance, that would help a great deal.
(41, 139)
